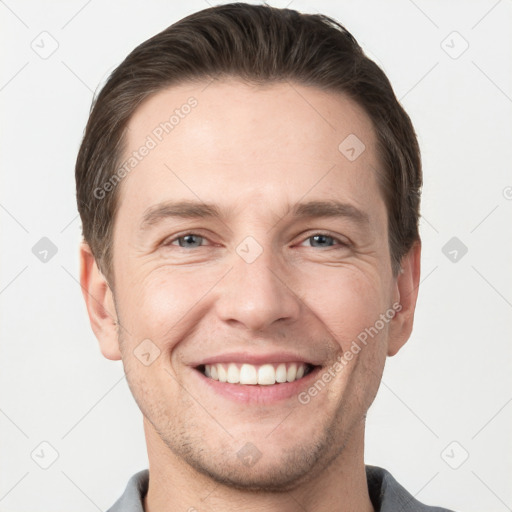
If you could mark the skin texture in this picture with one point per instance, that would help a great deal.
(255, 152)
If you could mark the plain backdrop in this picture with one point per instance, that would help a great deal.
(441, 422)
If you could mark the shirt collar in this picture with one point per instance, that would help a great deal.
(386, 493)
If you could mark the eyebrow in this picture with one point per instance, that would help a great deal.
(334, 209)
(180, 209)
(198, 210)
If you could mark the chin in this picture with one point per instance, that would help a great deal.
(271, 469)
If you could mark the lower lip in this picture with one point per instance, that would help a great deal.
(245, 393)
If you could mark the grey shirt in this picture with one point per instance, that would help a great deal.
(386, 493)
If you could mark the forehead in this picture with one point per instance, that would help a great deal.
(237, 143)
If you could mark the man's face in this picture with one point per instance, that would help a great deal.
(267, 286)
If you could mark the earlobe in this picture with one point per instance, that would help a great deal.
(407, 283)
(99, 301)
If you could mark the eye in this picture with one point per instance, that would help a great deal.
(194, 241)
(324, 240)
(189, 240)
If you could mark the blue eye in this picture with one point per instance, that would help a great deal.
(324, 240)
(189, 240)
(318, 240)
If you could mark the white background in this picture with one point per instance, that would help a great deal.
(451, 382)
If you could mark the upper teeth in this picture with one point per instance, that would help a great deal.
(265, 375)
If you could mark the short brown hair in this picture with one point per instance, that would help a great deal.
(260, 45)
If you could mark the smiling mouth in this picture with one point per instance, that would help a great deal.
(249, 374)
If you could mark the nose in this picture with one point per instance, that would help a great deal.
(258, 294)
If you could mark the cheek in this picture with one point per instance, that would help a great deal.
(345, 300)
(163, 304)
(168, 302)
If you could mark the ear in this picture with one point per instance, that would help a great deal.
(406, 293)
(99, 301)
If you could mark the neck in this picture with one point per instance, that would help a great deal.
(174, 485)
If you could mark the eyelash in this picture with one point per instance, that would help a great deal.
(319, 233)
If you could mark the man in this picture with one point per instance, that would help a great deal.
(249, 190)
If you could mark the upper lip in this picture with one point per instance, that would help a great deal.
(255, 359)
